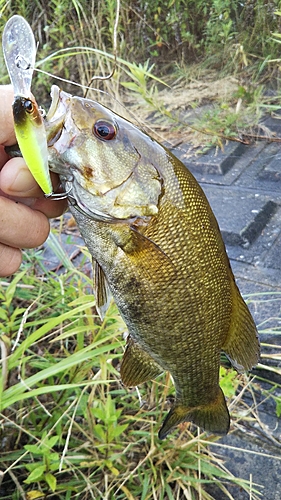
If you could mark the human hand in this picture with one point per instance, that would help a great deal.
(24, 211)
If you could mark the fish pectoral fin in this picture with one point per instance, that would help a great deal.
(137, 365)
(101, 290)
(139, 248)
(212, 417)
(242, 345)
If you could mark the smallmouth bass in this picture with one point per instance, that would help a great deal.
(157, 248)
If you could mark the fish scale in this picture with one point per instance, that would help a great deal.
(158, 249)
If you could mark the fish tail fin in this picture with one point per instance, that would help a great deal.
(242, 345)
(213, 417)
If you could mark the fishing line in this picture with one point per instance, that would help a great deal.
(94, 78)
(65, 80)
(115, 28)
(94, 89)
(23, 63)
(74, 83)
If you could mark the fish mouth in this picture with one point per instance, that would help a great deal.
(55, 95)
(54, 125)
(55, 117)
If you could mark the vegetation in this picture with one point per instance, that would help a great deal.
(229, 33)
(68, 428)
(174, 40)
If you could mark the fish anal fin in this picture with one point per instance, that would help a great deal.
(137, 366)
(101, 290)
(212, 417)
(242, 345)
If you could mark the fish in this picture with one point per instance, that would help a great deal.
(19, 49)
(157, 249)
(31, 137)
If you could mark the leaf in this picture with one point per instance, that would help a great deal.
(120, 61)
(3, 314)
(278, 407)
(36, 474)
(51, 442)
(99, 413)
(229, 381)
(119, 429)
(125, 490)
(83, 299)
(54, 244)
(53, 388)
(131, 86)
(10, 292)
(32, 495)
(33, 448)
(111, 467)
(99, 432)
(54, 462)
(20, 391)
(51, 481)
(48, 325)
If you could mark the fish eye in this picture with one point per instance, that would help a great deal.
(28, 106)
(104, 130)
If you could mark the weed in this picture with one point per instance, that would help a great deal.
(68, 428)
(226, 34)
(77, 42)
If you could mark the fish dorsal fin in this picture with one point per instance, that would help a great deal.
(101, 289)
(242, 344)
(137, 365)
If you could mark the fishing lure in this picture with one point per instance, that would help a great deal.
(19, 49)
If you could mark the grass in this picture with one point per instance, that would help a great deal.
(77, 43)
(68, 427)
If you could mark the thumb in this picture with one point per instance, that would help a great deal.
(16, 180)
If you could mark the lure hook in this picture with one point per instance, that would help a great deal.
(58, 196)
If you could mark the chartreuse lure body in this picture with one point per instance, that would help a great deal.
(19, 50)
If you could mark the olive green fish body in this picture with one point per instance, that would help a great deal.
(157, 245)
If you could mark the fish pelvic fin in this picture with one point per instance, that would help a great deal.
(242, 345)
(101, 290)
(137, 365)
(212, 417)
